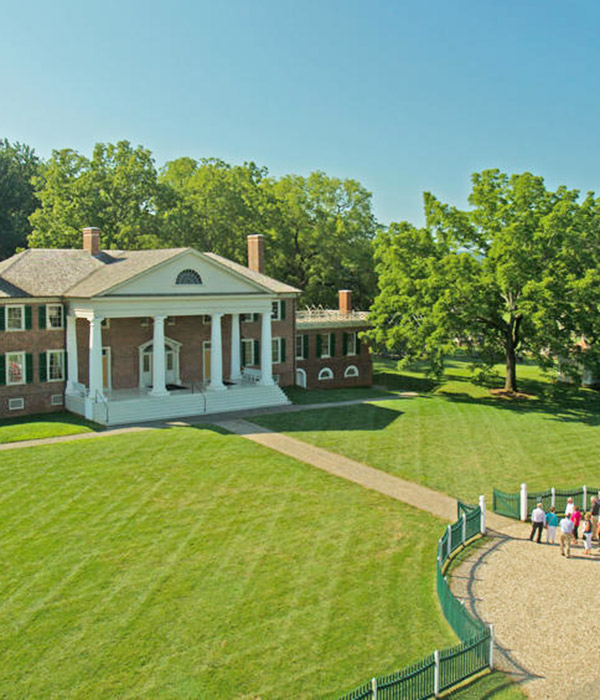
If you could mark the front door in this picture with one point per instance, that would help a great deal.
(147, 363)
(206, 360)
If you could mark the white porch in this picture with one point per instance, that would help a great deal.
(136, 405)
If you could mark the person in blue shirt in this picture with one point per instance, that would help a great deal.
(551, 525)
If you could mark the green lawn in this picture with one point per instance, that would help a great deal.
(304, 396)
(44, 426)
(459, 439)
(187, 563)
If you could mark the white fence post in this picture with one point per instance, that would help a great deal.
(436, 674)
(585, 498)
(464, 528)
(491, 646)
(374, 688)
(523, 502)
(449, 540)
(482, 516)
(553, 501)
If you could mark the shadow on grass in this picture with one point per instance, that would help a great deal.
(358, 417)
(60, 417)
(404, 382)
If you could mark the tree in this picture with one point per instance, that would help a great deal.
(116, 191)
(18, 165)
(321, 232)
(499, 279)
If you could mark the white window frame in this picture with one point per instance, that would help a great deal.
(325, 355)
(351, 371)
(352, 335)
(300, 337)
(61, 354)
(276, 308)
(248, 318)
(251, 354)
(17, 403)
(23, 368)
(49, 326)
(57, 400)
(15, 306)
(325, 374)
(276, 351)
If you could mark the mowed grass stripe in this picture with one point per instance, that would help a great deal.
(193, 564)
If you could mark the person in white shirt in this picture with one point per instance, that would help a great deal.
(538, 520)
(566, 532)
(570, 507)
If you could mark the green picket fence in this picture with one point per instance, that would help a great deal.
(446, 668)
(507, 504)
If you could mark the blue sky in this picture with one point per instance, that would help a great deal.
(402, 96)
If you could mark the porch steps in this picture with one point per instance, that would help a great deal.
(178, 406)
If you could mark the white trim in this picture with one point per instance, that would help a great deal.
(246, 355)
(328, 336)
(175, 347)
(16, 404)
(325, 374)
(300, 378)
(347, 371)
(276, 350)
(14, 306)
(351, 334)
(49, 326)
(61, 353)
(22, 353)
(205, 346)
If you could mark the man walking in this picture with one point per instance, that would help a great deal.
(566, 533)
(538, 520)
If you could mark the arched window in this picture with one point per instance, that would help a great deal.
(325, 373)
(351, 371)
(188, 277)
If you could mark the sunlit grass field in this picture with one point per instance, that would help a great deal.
(44, 426)
(457, 438)
(185, 563)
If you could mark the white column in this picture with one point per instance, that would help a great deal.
(158, 358)
(235, 372)
(266, 351)
(72, 360)
(95, 368)
(216, 354)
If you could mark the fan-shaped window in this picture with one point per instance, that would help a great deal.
(325, 373)
(351, 371)
(188, 277)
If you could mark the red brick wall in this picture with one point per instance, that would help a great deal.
(338, 363)
(37, 395)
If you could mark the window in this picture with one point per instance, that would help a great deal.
(15, 318)
(56, 400)
(206, 319)
(248, 318)
(302, 347)
(326, 345)
(105, 323)
(325, 374)
(54, 316)
(351, 371)
(249, 352)
(350, 344)
(15, 368)
(278, 350)
(170, 320)
(56, 365)
(188, 277)
(278, 310)
(16, 404)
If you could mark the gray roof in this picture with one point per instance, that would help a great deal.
(41, 272)
(269, 283)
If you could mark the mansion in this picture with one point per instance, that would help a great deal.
(128, 336)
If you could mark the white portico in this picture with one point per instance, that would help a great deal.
(144, 333)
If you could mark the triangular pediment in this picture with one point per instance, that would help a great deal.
(189, 273)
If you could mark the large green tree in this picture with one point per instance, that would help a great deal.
(18, 166)
(116, 190)
(321, 237)
(515, 273)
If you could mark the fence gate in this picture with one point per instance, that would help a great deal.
(507, 504)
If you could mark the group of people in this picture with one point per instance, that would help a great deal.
(569, 525)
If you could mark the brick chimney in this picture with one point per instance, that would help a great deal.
(345, 297)
(91, 240)
(256, 252)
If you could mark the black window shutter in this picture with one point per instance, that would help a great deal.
(357, 344)
(305, 346)
(332, 344)
(345, 344)
(319, 346)
(41, 316)
(2, 316)
(256, 353)
(282, 310)
(28, 366)
(255, 317)
(243, 352)
(43, 366)
(283, 349)
(2, 370)
(28, 318)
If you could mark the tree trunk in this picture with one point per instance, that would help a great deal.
(510, 383)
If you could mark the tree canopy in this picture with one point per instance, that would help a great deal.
(516, 273)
